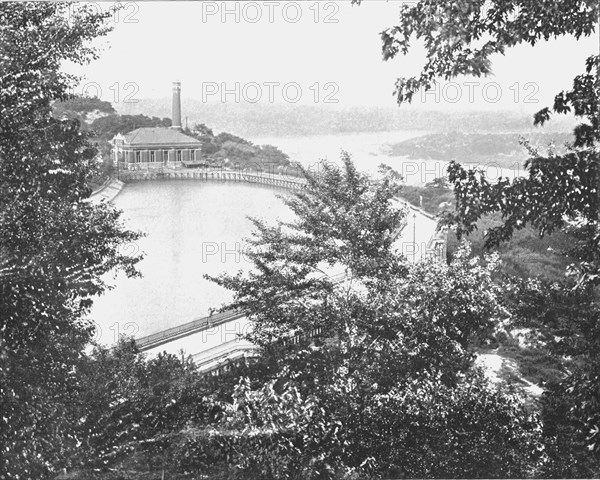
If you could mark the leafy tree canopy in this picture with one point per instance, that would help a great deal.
(559, 191)
(55, 246)
(110, 125)
(353, 339)
(460, 37)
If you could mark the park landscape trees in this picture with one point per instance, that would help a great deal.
(54, 245)
(378, 358)
(370, 373)
(559, 192)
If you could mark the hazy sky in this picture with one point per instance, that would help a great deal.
(301, 52)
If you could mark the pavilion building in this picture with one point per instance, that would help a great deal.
(151, 147)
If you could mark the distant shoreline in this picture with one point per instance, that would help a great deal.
(502, 149)
(286, 120)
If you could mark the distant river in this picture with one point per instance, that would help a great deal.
(368, 151)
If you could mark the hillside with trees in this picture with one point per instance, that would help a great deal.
(228, 150)
(84, 109)
(504, 150)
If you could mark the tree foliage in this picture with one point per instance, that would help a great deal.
(110, 125)
(425, 428)
(233, 151)
(55, 246)
(129, 403)
(559, 191)
(345, 225)
(80, 108)
(366, 358)
(460, 37)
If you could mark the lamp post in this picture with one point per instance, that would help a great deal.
(414, 236)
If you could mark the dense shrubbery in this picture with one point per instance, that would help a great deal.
(420, 428)
(129, 403)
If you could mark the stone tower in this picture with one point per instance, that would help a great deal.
(176, 114)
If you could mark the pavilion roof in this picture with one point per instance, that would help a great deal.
(159, 136)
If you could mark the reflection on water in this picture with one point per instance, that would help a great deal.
(193, 228)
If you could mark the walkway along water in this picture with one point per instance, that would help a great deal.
(108, 191)
(216, 175)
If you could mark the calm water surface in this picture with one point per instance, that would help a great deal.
(193, 228)
(368, 150)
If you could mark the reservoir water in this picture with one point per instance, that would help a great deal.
(192, 228)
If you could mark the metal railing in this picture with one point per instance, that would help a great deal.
(196, 325)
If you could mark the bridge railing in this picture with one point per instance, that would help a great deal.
(196, 325)
(211, 175)
(199, 324)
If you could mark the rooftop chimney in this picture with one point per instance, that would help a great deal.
(176, 116)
